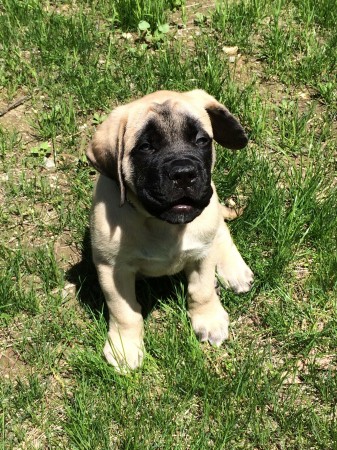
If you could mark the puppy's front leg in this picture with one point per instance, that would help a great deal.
(208, 317)
(124, 344)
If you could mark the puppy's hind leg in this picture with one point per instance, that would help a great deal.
(230, 213)
(231, 268)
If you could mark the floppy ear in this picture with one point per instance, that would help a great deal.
(227, 130)
(106, 150)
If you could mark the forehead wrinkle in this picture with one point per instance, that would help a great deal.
(169, 119)
(166, 121)
(177, 114)
(152, 127)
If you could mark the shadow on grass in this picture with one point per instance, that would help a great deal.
(148, 291)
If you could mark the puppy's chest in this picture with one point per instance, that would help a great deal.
(168, 256)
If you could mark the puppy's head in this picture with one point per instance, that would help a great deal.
(161, 148)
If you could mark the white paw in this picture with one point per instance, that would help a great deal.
(236, 275)
(211, 326)
(123, 353)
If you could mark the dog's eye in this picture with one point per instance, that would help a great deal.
(202, 141)
(145, 146)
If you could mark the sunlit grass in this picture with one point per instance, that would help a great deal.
(273, 385)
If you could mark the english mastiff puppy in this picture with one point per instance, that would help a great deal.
(156, 212)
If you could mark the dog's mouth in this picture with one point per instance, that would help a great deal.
(182, 206)
(181, 211)
(178, 211)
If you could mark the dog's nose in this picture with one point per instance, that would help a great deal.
(183, 173)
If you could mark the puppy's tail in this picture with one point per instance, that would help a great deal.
(231, 213)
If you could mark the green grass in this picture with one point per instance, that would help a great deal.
(273, 385)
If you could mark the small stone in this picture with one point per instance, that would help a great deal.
(304, 95)
(127, 36)
(230, 51)
(49, 163)
(4, 177)
(68, 290)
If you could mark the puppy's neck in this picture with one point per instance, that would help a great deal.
(133, 201)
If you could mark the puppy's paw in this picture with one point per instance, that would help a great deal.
(236, 275)
(123, 353)
(211, 325)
